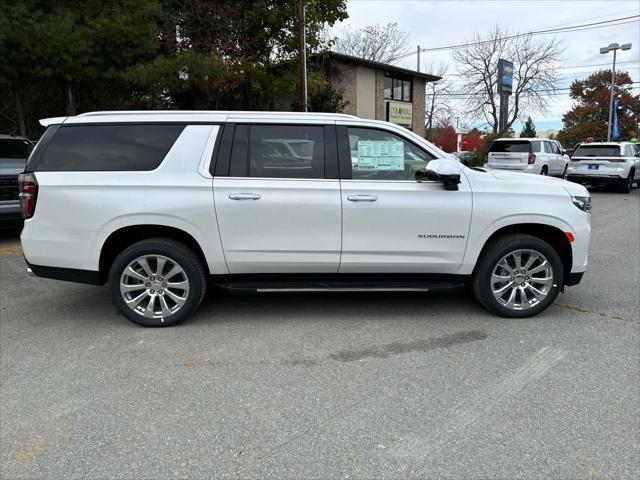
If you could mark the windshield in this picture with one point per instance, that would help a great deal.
(15, 148)
(597, 151)
(511, 146)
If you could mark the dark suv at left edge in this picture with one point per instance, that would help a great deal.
(14, 152)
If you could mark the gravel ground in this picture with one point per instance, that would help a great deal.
(327, 385)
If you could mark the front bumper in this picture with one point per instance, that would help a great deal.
(573, 279)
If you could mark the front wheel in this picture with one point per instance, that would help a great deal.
(518, 276)
(157, 282)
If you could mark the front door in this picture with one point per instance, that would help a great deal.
(277, 210)
(391, 223)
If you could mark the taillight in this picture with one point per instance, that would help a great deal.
(28, 194)
(532, 159)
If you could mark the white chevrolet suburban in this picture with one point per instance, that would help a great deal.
(161, 204)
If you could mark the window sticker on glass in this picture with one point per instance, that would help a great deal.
(380, 155)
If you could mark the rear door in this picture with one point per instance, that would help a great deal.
(553, 157)
(509, 154)
(277, 198)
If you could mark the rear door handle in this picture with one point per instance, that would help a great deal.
(362, 198)
(244, 196)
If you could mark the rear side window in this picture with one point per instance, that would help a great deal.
(278, 151)
(510, 146)
(128, 147)
(597, 151)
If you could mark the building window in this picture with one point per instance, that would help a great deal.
(397, 89)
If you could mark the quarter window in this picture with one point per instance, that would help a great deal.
(130, 147)
(381, 155)
(279, 151)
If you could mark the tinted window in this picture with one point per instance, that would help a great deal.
(15, 148)
(511, 146)
(381, 155)
(109, 147)
(286, 151)
(597, 151)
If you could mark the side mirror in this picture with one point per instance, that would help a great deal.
(445, 171)
(564, 152)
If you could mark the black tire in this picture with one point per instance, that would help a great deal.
(544, 171)
(626, 185)
(176, 252)
(493, 253)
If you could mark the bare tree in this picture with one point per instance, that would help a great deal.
(437, 109)
(535, 76)
(380, 43)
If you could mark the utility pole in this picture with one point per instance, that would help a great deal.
(418, 58)
(302, 56)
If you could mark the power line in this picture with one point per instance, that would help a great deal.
(567, 29)
(557, 91)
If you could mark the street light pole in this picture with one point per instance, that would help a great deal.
(613, 47)
(613, 82)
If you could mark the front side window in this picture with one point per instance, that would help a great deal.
(286, 151)
(130, 147)
(381, 155)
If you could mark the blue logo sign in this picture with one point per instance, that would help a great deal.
(615, 133)
(505, 76)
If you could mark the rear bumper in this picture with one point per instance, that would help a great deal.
(66, 274)
(594, 179)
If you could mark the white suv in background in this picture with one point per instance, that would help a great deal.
(162, 204)
(528, 155)
(606, 163)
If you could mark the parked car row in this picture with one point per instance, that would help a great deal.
(614, 164)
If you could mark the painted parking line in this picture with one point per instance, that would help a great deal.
(13, 250)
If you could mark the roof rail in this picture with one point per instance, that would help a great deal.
(204, 112)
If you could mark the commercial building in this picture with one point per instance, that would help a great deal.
(378, 90)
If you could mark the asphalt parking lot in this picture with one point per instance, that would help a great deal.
(328, 385)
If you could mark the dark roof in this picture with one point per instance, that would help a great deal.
(382, 66)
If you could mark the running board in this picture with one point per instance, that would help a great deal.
(271, 287)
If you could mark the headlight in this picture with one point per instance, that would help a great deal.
(583, 203)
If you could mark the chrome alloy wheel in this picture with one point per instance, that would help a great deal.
(154, 286)
(522, 279)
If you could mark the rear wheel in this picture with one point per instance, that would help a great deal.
(627, 184)
(544, 171)
(518, 276)
(157, 282)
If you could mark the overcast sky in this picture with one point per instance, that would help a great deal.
(434, 23)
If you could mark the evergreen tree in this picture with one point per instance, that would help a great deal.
(529, 129)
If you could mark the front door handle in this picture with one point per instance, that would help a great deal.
(362, 198)
(244, 196)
